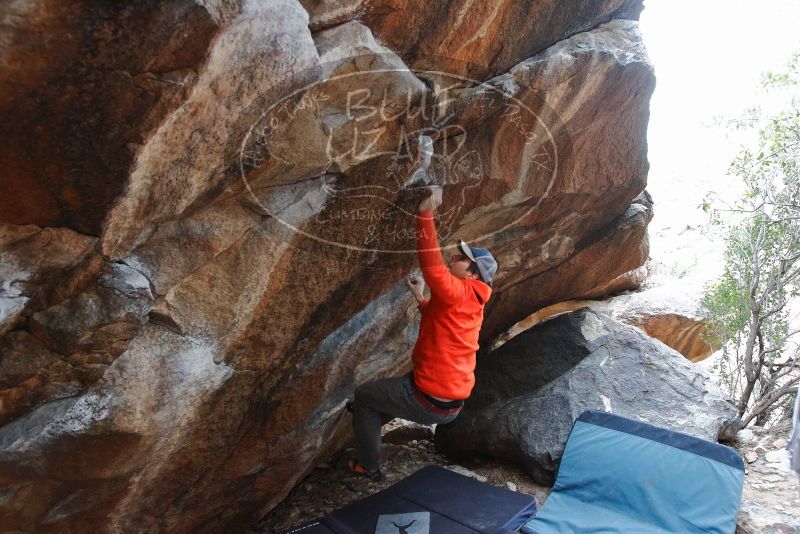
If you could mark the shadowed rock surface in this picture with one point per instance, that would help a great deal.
(84, 84)
(474, 39)
(530, 391)
(211, 258)
(668, 313)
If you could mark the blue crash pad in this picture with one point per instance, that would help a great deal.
(618, 475)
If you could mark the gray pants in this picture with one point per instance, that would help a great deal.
(382, 400)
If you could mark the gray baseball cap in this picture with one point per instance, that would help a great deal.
(487, 266)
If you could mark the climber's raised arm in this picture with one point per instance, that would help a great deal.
(443, 284)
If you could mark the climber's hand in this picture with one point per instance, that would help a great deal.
(417, 286)
(433, 201)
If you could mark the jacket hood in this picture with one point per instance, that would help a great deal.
(482, 290)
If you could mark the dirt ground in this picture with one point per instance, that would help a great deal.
(771, 500)
(771, 496)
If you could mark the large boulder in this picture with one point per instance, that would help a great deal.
(668, 313)
(475, 39)
(184, 361)
(84, 86)
(606, 254)
(530, 391)
(263, 54)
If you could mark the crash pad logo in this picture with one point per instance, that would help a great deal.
(346, 159)
(411, 523)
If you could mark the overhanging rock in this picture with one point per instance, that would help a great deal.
(530, 391)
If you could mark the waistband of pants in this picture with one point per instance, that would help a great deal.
(436, 405)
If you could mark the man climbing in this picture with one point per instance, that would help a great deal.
(444, 355)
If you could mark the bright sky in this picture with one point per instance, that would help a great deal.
(708, 57)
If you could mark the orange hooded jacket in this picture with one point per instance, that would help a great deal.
(444, 356)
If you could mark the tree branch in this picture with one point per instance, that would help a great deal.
(769, 400)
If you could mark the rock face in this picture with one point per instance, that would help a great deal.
(466, 37)
(212, 259)
(530, 391)
(34, 267)
(667, 314)
(583, 273)
(77, 105)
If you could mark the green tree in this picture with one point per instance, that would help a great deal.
(749, 304)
